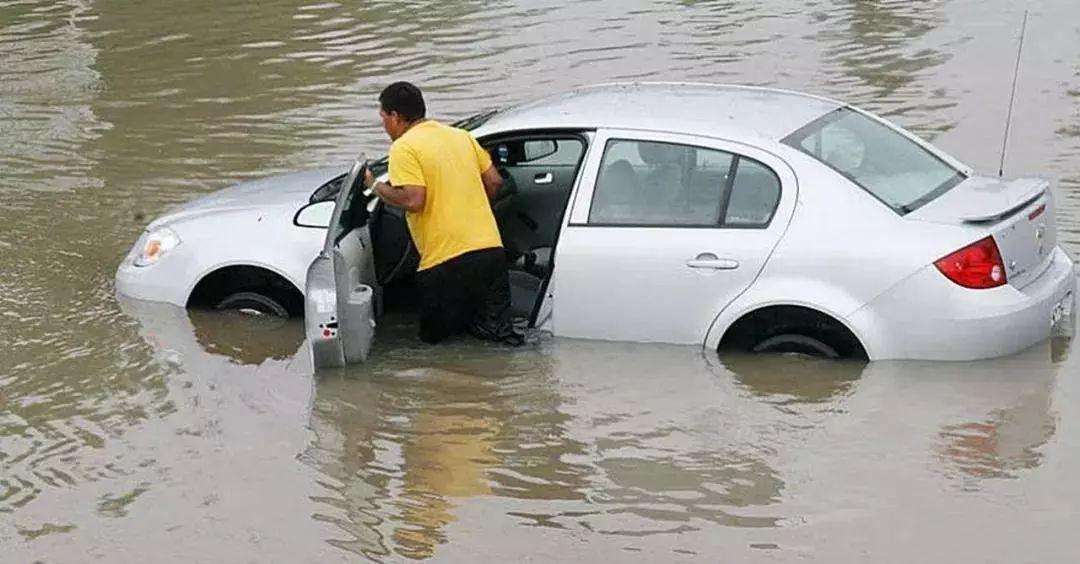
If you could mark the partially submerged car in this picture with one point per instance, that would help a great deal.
(731, 217)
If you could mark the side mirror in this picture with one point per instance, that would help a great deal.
(315, 215)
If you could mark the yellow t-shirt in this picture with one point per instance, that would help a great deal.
(457, 216)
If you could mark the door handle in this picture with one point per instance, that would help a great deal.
(545, 178)
(712, 262)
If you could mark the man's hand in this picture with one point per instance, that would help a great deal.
(369, 178)
(411, 198)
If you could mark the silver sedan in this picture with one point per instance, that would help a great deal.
(723, 216)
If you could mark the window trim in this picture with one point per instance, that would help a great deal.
(794, 140)
(725, 199)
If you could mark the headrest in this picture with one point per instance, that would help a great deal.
(663, 153)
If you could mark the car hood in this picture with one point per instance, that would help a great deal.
(284, 190)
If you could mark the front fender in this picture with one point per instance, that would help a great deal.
(266, 239)
(208, 270)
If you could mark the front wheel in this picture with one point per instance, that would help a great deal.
(253, 303)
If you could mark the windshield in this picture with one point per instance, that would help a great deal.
(893, 168)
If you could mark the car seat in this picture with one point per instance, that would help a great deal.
(665, 184)
(618, 195)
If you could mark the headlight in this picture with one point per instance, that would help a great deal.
(156, 245)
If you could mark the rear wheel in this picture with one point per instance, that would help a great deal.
(795, 343)
(253, 303)
(793, 330)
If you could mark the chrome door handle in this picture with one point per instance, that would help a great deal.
(543, 178)
(712, 262)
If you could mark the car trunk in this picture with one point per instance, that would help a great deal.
(1018, 213)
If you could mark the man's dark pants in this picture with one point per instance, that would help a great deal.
(471, 293)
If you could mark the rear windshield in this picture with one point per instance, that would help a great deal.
(895, 169)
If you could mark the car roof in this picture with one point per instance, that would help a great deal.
(714, 110)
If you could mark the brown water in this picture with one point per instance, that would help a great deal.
(131, 432)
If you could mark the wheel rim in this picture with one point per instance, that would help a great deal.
(253, 304)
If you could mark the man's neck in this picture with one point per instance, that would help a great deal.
(413, 124)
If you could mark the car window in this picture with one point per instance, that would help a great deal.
(355, 207)
(755, 193)
(647, 183)
(893, 168)
(328, 191)
(538, 152)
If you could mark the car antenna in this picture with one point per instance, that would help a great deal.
(1012, 98)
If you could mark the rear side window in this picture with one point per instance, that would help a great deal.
(888, 165)
(754, 195)
(652, 184)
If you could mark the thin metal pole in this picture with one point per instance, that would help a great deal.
(1012, 98)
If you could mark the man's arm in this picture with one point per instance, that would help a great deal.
(492, 181)
(410, 197)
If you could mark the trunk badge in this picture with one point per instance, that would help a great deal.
(1040, 232)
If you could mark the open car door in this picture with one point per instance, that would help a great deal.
(341, 293)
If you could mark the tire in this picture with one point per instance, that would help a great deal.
(795, 343)
(253, 303)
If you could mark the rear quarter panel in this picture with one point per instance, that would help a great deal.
(842, 248)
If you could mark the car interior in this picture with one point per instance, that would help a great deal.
(538, 172)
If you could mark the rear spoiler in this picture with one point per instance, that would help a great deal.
(1028, 189)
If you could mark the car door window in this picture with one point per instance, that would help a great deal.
(647, 183)
(538, 152)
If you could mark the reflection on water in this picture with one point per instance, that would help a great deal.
(1009, 438)
(205, 436)
(245, 339)
(410, 438)
(792, 379)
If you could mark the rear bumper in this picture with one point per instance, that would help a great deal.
(929, 317)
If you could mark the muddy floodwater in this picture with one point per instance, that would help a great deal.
(134, 432)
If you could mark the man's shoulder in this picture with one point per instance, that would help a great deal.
(432, 133)
(400, 145)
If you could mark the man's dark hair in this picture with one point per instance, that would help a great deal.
(405, 99)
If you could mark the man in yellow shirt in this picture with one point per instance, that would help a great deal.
(444, 180)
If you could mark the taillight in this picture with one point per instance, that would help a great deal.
(977, 265)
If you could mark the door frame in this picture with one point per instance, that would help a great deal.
(586, 136)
